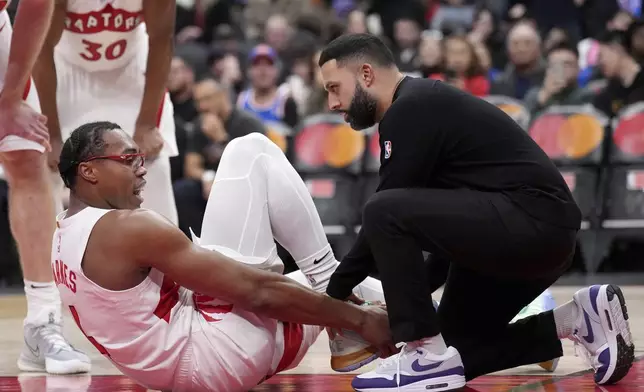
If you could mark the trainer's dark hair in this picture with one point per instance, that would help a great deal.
(85, 142)
(366, 47)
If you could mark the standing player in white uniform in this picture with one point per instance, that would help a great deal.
(111, 59)
(23, 139)
(131, 279)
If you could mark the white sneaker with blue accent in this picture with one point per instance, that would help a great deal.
(46, 350)
(414, 369)
(602, 332)
(544, 302)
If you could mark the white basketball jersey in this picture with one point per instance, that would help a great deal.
(102, 35)
(145, 330)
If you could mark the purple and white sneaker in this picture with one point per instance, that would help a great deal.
(602, 330)
(414, 369)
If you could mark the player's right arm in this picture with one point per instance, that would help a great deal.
(149, 240)
(45, 75)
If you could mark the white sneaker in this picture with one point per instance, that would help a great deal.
(350, 352)
(414, 369)
(603, 333)
(544, 302)
(46, 350)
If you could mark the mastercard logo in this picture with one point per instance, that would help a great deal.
(328, 144)
(572, 136)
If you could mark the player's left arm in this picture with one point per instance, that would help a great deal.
(159, 18)
(29, 32)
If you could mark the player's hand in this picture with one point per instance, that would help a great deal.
(149, 140)
(19, 119)
(53, 158)
(375, 329)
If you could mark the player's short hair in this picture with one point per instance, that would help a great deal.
(366, 47)
(85, 142)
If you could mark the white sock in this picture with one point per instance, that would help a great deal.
(319, 268)
(435, 345)
(43, 303)
(565, 317)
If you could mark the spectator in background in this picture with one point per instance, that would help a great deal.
(278, 33)
(430, 53)
(626, 79)
(526, 67)
(560, 85)
(356, 22)
(181, 80)
(226, 69)
(462, 68)
(547, 14)
(486, 30)
(619, 20)
(300, 83)
(219, 123)
(485, 59)
(407, 32)
(265, 98)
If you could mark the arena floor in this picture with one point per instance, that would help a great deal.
(314, 374)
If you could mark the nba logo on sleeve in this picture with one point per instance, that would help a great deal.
(387, 149)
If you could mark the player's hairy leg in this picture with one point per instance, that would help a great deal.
(31, 211)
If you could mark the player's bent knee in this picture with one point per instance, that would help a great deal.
(24, 165)
(249, 145)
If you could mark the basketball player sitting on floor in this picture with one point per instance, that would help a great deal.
(175, 315)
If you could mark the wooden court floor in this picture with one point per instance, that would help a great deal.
(314, 374)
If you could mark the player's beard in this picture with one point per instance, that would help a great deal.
(362, 111)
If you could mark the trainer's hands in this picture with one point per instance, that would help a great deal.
(375, 328)
(19, 119)
(149, 140)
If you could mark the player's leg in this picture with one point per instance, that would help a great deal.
(32, 220)
(258, 198)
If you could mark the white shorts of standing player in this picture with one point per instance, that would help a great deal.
(115, 96)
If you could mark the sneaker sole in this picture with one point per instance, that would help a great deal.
(25, 365)
(353, 361)
(73, 366)
(437, 384)
(614, 319)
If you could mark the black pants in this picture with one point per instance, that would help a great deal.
(493, 259)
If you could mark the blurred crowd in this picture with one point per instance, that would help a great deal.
(243, 66)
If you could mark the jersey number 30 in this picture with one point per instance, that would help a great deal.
(95, 51)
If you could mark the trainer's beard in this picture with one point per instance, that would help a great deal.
(362, 111)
